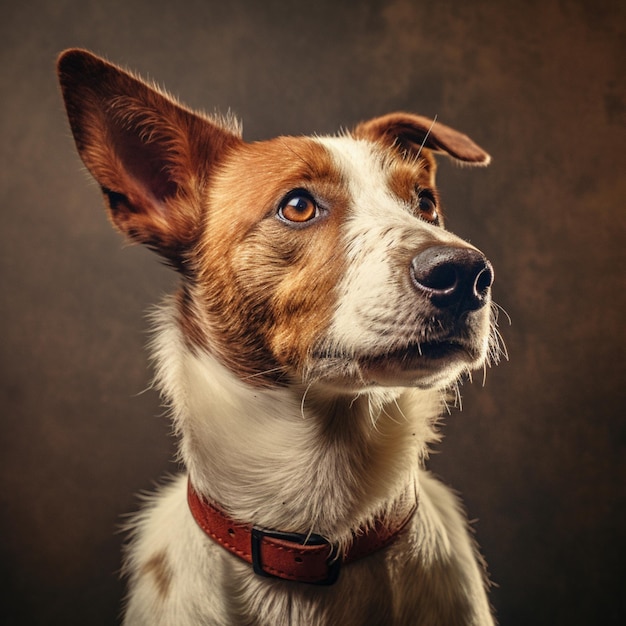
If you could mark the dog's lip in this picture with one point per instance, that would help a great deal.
(413, 354)
(422, 353)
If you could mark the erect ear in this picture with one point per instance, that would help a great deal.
(152, 157)
(412, 133)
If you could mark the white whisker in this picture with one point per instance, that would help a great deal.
(425, 138)
(303, 400)
(458, 399)
(498, 308)
(395, 401)
(263, 373)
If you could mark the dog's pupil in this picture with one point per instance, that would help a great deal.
(301, 204)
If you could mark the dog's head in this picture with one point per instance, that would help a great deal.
(303, 259)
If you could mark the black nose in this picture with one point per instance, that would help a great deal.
(453, 278)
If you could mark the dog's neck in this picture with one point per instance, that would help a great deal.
(297, 459)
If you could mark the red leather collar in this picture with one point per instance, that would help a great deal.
(290, 556)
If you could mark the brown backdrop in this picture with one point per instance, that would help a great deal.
(537, 453)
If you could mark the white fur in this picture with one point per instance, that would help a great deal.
(373, 300)
(255, 452)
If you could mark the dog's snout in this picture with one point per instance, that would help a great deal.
(453, 278)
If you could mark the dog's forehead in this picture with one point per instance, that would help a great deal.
(259, 174)
(376, 175)
(273, 161)
(361, 163)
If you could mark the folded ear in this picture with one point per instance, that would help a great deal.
(152, 157)
(412, 133)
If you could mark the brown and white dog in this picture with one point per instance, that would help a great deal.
(323, 316)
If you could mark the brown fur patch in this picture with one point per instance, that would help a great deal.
(408, 177)
(159, 569)
(189, 320)
(265, 285)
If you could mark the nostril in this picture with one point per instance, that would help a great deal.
(433, 269)
(440, 278)
(484, 279)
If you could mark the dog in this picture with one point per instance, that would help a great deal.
(324, 315)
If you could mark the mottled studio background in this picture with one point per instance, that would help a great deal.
(538, 453)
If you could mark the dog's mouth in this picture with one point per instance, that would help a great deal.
(423, 355)
(431, 363)
(424, 363)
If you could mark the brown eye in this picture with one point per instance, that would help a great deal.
(428, 207)
(298, 208)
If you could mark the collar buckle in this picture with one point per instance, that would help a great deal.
(312, 541)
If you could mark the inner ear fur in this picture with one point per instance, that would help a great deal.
(411, 133)
(151, 156)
